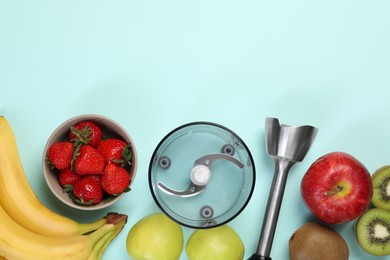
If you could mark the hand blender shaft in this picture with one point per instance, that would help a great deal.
(286, 145)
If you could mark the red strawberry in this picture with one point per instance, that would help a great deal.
(88, 191)
(88, 160)
(115, 179)
(85, 132)
(68, 177)
(60, 155)
(115, 151)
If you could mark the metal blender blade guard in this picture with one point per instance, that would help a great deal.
(286, 145)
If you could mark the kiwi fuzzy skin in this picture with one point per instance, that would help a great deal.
(381, 183)
(367, 235)
(317, 241)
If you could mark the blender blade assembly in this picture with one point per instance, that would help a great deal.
(201, 175)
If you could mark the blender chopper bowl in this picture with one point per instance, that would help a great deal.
(201, 175)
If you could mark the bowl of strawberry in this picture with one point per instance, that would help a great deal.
(89, 162)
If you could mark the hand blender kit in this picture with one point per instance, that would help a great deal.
(202, 174)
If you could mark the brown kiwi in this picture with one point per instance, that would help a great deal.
(317, 241)
(372, 231)
(381, 185)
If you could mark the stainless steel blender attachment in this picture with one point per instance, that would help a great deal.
(202, 175)
(286, 145)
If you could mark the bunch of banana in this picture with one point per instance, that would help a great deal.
(29, 230)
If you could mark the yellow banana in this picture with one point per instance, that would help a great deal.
(95, 254)
(19, 200)
(18, 243)
(103, 243)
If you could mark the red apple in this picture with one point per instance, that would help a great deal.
(337, 188)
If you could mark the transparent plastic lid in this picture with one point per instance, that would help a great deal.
(201, 175)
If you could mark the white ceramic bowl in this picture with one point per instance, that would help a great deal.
(109, 128)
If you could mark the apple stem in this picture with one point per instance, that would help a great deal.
(337, 189)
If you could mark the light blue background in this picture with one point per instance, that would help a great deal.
(154, 65)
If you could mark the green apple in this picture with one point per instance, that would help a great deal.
(219, 243)
(155, 237)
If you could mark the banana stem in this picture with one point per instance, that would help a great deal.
(115, 218)
(101, 245)
(96, 235)
(110, 218)
(90, 227)
(118, 229)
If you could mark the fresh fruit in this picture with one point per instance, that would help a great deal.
(68, 177)
(317, 241)
(88, 191)
(60, 155)
(115, 151)
(218, 243)
(19, 200)
(17, 242)
(337, 188)
(99, 248)
(85, 132)
(381, 185)
(372, 231)
(115, 179)
(92, 153)
(155, 237)
(88, 161)
(29, 230)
